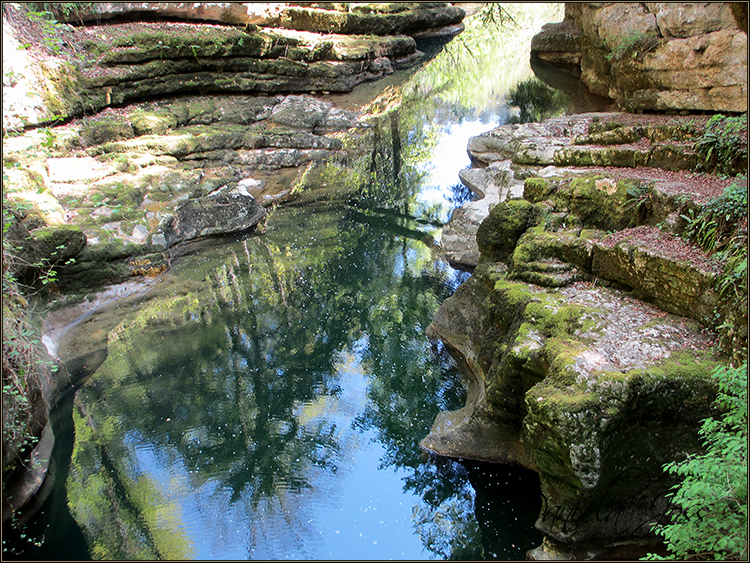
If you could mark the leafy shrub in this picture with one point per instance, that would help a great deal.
(721, 227)
(710, 520)
(723, 145)
(22, 367)
(712, 227)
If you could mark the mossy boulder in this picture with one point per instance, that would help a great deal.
(228, 211)
(498, 233)
(592, 389)
(554, 259)
(595, 199)
(599, 447)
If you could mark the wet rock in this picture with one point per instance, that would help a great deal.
(227, 211)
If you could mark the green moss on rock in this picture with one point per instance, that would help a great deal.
(498, 233)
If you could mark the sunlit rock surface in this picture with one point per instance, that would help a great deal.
(655, 55)
(585, 331)
(126, 52)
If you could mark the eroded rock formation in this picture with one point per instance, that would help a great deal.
(181, 48)
(655, 55)
(583, 326)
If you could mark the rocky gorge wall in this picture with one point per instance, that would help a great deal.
(654, 56)
(586, 330)
(157, 49)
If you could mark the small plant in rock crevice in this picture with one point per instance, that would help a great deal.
(722, 146)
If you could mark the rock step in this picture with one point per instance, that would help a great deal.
(673, 157)
(590, 140)
(365, 19)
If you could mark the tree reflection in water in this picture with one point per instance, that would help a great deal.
(236, 405)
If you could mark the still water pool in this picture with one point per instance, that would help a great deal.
(267, 402)
(266, 399)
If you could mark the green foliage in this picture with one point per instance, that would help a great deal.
(50, 29)
(723, 145)
(721, 227)
(710, 520)
(626, 42)
(22, 364)
(536, 101)
(712, 227)
(638, 197)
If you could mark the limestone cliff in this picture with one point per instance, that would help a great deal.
(127, 52)
(584, 329)
(654, 55)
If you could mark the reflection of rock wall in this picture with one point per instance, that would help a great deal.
(654, 55)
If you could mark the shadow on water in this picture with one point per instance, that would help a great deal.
(53, 525)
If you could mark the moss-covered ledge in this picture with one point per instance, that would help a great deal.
(588, 386)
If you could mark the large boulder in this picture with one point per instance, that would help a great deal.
(585, 329)
(227, 211)
(653, 55)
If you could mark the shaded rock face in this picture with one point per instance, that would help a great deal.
(653, 55)
(213, 48)
(585, 328)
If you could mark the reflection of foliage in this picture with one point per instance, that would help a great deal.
(495, 14)
(478, 67)
(237, 405)
(445, 518)
(536, 101)
(233, 415)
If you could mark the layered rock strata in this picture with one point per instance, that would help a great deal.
(583, 328)
(215, 48)
(655, 55)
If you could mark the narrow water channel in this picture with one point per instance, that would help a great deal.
(267, 399)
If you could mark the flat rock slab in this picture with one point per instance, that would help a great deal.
(492, 185)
